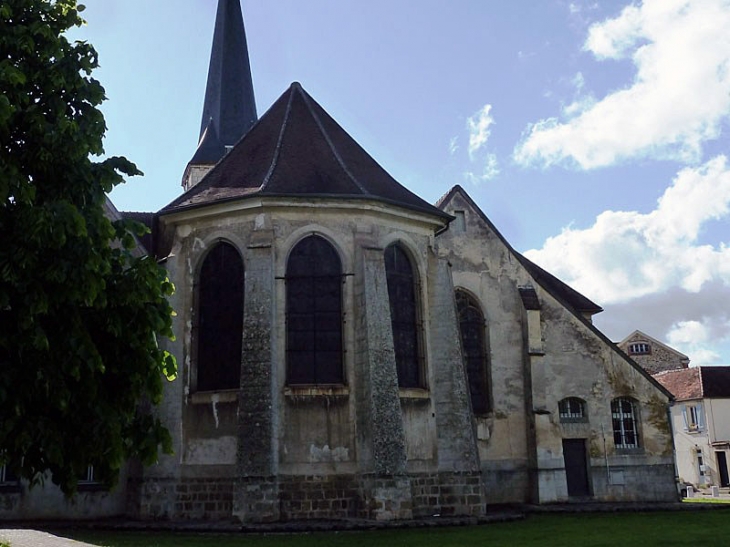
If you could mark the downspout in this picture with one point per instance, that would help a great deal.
(605, 456)
(674, 450)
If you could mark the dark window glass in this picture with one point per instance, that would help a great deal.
(314, 314)
(220, 319)
(623, 416)
(640, 349)
(404, 316)
(7, 476)
(572, 409)
(472, 327)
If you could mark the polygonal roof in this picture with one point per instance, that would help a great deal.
(297, 149)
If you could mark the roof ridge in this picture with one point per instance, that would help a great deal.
(702, 382)
(328, 140)
(277, 149)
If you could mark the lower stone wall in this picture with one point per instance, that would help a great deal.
(312, 497)
(186, 499)
(505, 484)
(448, 494)
(320, 497)
(646, 483)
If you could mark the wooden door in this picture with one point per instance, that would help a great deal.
(576, 467)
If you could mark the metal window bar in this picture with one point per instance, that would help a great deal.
(624, 424)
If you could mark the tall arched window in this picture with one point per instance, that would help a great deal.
(314, 314)
(623, 414)
(473, 341)
(404, 316)
(220, 319)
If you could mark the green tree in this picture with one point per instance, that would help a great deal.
(79, 313)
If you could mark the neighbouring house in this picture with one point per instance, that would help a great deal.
(701, 423)
(347, 349)
(653, 355)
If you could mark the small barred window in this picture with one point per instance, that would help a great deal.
(572, 409)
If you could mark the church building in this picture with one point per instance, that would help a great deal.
(349, 350)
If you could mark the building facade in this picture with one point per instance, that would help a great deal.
(701, 423)
(651, 354)
(348, 350)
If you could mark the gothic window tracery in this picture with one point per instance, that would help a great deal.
(219, 329)
(404, 315)
(473, 342)
(314, 314)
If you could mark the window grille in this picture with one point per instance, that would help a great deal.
(472, 328)
(640, 348)
(220, 319)
(572, 409)
(7, 476)
(314, 314)
(623, 413)
(404, 316)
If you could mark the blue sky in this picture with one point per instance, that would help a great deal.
(593, 134)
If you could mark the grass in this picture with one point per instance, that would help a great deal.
(665, 529)
(705, 500)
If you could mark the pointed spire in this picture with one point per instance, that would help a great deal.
(229, 97)
(210, 149)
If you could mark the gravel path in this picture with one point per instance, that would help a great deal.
(34, 538)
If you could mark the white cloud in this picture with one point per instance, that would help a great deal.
(678, 99)
(692, 338)
(479, 126)
(479, 129)
(453, 145)
(627, 255)
(489, 171)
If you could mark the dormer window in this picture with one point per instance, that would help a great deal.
(459, 223)
(639, 348)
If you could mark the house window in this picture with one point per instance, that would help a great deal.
(404, 317)
(459, 223)
(314, 314)
(701, 469)
(473, 342)
(7, 477)
(640, 348)
(623, 414)
(693, 417)
(220, 319)
(89, 480)
(572, 409)
(88, 476)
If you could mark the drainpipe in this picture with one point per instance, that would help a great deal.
(674, 450)
(605, 456)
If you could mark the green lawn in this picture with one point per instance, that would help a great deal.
(706, 528)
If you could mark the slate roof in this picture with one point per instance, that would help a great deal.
(556, 286)
(697, 382)
(229, 97)
(210, 149)
(297, 149)
(715, 381)
(148, 219)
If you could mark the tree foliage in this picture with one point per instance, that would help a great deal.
(79, 312)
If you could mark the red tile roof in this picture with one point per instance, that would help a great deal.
(696, 382)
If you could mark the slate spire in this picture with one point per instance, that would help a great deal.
(229, 97)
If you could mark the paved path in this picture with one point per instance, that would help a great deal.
(34, 538)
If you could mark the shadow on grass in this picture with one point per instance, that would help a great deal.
(708, 528)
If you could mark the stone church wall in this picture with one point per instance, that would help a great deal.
(361, 449)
